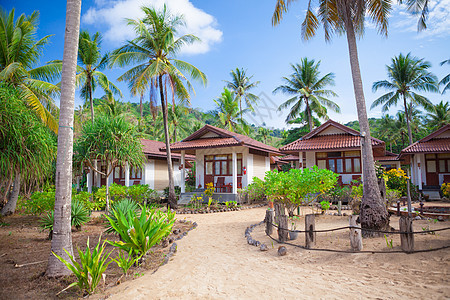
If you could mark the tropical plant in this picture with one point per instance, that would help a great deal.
(39, 202)
(439, 116)
(91, 267)
(79, 214)
(62, 236)
(256, 190)
(153, 50)
(140, 233)
(446, 80)
(325, 205)
(263, 134)
(307, 89)
(19, 53)
(111, 140)
(406, 74)
(27, 148)
(124, 206)
(228, 114)
(125, 262)
(241, 84)
(445, 188)
(46, 223)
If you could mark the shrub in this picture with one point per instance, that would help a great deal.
(124, 206)
(325, 205)
(392, 196)
(337, 193)
(445, 188)
(39, 202)
(396, 180)
(190, 178)
(177, 191)
(88, 200)
(140, 233)
(142, 193)
(79, 214)
(256, 190)
(91, 267)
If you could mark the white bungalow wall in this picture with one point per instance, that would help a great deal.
(256, 165)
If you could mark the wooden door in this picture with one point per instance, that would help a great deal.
(431, 172)
(209, 175)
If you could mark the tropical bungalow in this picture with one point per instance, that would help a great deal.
(430, 159)
(226, 159)
(154, 172)
(336, 147)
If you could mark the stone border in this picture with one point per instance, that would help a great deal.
(173, 248)
(219, 210)
(251, 241)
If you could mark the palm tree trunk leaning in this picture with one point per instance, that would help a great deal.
(373, 211)
(407, 120)
(62, 237)
(10, 206)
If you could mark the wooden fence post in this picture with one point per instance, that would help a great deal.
(407, 239)
(283, 231)
(355, 235)
(279, 211)
(269, 221)
(310, 226)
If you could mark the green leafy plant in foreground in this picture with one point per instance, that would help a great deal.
(140, 233)
(123, 206)
(389, 243)
(91, 267)
(125, 262)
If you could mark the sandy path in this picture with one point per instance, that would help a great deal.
(214, 262)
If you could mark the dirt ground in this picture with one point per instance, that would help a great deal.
(23, 242)
(215, 262)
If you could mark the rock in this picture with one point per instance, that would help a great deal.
(344, 214)
(282, 251)
(164, 243)
(440, 218)
(250, 240)
(257, 243)
(170, 240)
(418, 218)
(263, 247)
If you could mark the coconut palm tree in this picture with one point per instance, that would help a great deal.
(308, 91)
(62, 238)
(263, 134)
(19, 53)
(439, 116)
(90, 65)
(347, 17)
(240, 84)
(154, 50)
(446, 79)
(228, 113)
(406, 75)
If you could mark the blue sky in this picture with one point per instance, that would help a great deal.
(238, 33)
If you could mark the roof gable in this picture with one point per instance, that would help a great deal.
(330, 127)
(437, 141)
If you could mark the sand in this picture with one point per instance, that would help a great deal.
(215, 262)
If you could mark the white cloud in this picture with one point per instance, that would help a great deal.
(438, 22)
(112, 14)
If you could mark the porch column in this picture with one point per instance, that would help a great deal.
(234, 162)
(183, 172)
(300, 160)
(419, 171)
(127, 174)
(89, 181)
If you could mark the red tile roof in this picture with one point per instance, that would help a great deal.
(290, 157)
(388, 157)
(152, 148)
(432, 143)
(225, 139)
(349, 139)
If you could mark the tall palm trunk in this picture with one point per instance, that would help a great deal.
(141, 109)
(308, 112)
(62, 237)
(91, 101)
(373, 211)
(107, 186)
(407, 120)
(10, 206)
(172, 200)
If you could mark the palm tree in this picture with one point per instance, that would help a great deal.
(19, 53)
(439, 115)
(307, 88)
(228, 113)
(446, 79)
(348, 16)
(90, 65)
(263, 134)
(153, 50)
(406, 74)
(62, 238)
(240, 84)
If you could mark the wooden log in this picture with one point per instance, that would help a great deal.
(283, 230)
(310, 226)
(279, 211)
(339, 207)
(269, 221)
(407, 239)
(355, 235)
